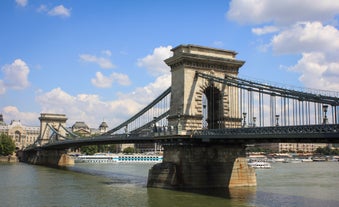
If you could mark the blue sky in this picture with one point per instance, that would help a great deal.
(103, 60)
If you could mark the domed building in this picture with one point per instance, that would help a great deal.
(103, 127)
(81, 128)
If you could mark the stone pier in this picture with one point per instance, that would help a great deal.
(54, 158)
(201, 166)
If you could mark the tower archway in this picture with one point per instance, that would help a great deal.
(213, 107)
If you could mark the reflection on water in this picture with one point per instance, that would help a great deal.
(278, 200)
(208, 197)
(115, 185)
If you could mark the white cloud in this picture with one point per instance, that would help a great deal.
(102, 81)
(27, 118)
(107, 52)
(15, 76)
(42, 8)
(89, 107)
(60, 11)
(102, 62)
(218, 44)
(82, 107)
(317, 72)
(144, 95)
(92, 108)
(154, 63)
(122, 79)
(319, 47)
(281, 11)
(307, 37)
(265, 30)
(300, 27)
(21, 3)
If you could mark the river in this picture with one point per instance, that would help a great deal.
(120, 184)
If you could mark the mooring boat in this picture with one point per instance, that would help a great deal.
(112, 158)
(260, 165)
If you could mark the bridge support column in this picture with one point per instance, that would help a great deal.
(202, 166)
(55, 158)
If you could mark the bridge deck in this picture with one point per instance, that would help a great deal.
(279, 134)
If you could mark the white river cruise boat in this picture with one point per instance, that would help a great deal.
(260, 165)
(116, 158)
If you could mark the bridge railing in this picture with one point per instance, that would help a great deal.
(275, 130)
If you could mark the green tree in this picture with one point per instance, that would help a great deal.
(327, 151)
(128, 150)
(89, 150)
(7, 146)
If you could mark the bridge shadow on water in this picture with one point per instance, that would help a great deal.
(237, 196)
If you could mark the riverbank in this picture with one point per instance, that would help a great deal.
(10, 158)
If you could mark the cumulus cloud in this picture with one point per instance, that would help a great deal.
(307, 37)
(15, 76)
(300, 28)
(284, 12)
(81, 107)
(103, 81)
(144, 95)
(101, 61)
(91, 109)
(318, 44)
(107, 52)
(42, 8)
(21, 3)
(317, 71)
(59, 11)
(13, 113)
(265, 30)
(154, 63)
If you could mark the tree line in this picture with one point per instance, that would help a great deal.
(7, 145)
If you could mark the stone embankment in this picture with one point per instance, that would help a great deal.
(8, 159)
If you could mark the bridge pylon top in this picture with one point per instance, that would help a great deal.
(204, 58)
(48, 120)
(188, 92)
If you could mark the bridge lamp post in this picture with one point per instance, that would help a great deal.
(325, 120)
(204, 116)
(277, 120)
(244, 115)
(155, 124)
(254, 120)
(179, 124)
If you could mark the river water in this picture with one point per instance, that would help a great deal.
(120, 184)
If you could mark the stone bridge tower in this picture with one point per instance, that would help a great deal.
(47, 120)
(207, 164)
(188, 92)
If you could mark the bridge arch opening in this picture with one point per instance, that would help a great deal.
(212, 113)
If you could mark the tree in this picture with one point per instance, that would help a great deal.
(128, 150)
(7, 146)
(89, 150)
(327, 151)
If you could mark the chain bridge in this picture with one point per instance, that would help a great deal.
(205, 120)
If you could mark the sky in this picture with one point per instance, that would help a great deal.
(104, 60)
